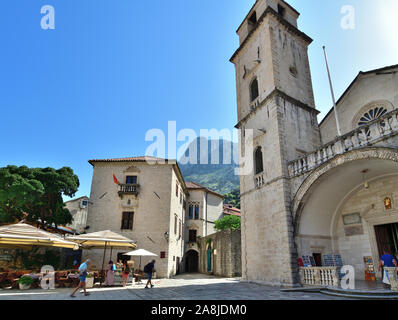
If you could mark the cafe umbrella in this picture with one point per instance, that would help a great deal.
(24, 236)
(103, 239)
(140, 253)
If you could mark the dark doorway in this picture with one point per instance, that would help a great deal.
(318, 259)
(387, 238)
(192, 261)
(122, 257)
(178, 265)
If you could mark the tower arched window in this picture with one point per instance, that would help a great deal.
(253, 90)
(258, 158)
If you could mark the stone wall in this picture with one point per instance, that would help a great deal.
(226, 254)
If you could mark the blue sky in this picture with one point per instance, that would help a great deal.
(112, 70)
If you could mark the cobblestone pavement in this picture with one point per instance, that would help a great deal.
(183, 287)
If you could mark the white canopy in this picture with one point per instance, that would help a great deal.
(102, 239)
(140, 253)
(22, 234)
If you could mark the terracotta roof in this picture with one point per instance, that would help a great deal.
(193, 185)
(231, 211)
(144, 159)
(76, 199)
(129, 159)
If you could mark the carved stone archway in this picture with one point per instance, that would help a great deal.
(304, 191)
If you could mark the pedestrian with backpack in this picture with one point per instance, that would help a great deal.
(149, 269)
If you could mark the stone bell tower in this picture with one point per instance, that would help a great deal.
(275, 99)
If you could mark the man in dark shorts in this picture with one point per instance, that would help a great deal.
(82, 276)
(150, 269)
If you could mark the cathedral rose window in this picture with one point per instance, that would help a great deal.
(371, 115)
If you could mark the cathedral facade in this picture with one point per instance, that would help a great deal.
(313, 193)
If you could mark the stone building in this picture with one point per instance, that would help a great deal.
(151, 204)
(312, 192)
(79, 210)
(204, 207)
(143, 202)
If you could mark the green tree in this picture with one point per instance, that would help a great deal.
(233, 198)
(228, 222)
(36, 192)
(16, 192)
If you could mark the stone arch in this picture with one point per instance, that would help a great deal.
(192, 261)
(304, 191)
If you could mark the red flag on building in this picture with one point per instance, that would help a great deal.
(115, 180)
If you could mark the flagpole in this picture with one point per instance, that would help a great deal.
(331, 90)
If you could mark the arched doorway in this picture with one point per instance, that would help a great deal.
(191, 261)
(347, 207)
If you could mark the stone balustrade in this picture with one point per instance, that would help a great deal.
(259, 180)
(128, 189)
(319, 276)
(393, 277)
(361, 137)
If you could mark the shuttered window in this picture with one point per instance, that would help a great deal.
(127, 220)
(192, 235)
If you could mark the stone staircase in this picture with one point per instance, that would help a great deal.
(361, 294)
(357, 294)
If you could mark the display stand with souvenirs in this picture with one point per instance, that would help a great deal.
(370, 274)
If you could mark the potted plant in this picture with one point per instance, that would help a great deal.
(90, 280)
(25, 282)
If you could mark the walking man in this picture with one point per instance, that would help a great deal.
(149, 269)
(82, 276)
(386, 260)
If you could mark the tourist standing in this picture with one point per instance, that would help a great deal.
(110, 275)
(386, 261)
(126, 273)
(82, 277)
(75, 265)
(149, 269)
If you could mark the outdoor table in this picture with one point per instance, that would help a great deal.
(3, 277)
(61, 277)
(74, 278)
(138, 277)
(13, 278)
